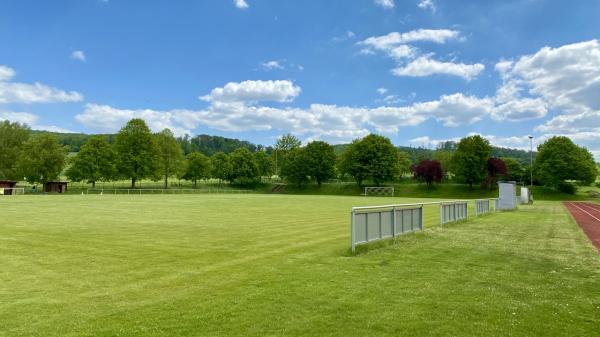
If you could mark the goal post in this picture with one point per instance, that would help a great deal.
(380, 191)
(12, 191)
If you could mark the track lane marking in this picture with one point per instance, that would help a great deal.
(584, 211)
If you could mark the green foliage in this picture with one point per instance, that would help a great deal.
(42, 159)
(211, 145)
(198, 167)
(559, 159)
(295, 169)
(12, 137)
(404, 162)
(469, 162)
(170, 155)
(221, 166)
(516, 172)
(320, 159)
(264, 163)
(137, 152)
(244, 170)
(566, 187)
(444, 157)
(287, 142)
(372, 157)
(96, 161)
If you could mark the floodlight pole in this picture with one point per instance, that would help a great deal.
(530, 163)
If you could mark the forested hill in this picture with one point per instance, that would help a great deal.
(210, 145)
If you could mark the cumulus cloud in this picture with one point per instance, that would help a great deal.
(272, 65)
(14, 92)
(425, 66)
(31, 120)
(78, 55)
(427, 5)
(254, 91)
(241, 4)
(387, 4)
(411, 62)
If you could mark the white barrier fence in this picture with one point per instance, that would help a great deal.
(12, 191)
(374, 223)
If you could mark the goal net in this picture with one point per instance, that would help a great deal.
(379, 191)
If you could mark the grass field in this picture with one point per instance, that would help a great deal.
(278, 265)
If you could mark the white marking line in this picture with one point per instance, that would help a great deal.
(584, 211)
(595, 207)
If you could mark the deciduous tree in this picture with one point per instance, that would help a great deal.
(429, 171)
(496, 168)
(372, 157)
(137, 152)
(170, 155)
(320, 159)
(94, 162)
(12, 137)
(221, 166)
(470, 159)
(42, 159)
(198, 167)
(243, 167)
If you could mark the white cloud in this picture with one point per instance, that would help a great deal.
(427, 4)
(241, 4)
(513, 142)
(19, 117)
(254, 91)
(425, 66)
(78, 55)
(387, 4)
(382, 91)
(14, 92)
(272, 65)
(456, 109)
(394, 39)
(6, 73)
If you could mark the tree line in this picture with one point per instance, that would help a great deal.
(135, 153)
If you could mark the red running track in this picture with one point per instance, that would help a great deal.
(587, 216)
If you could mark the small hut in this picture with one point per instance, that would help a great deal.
(55, 187)
(7, 186)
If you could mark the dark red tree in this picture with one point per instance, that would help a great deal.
(429, 171)
(496, 168)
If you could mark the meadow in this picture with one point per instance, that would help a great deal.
(279, 265)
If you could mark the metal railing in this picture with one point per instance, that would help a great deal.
(141, 191)
(374, 223)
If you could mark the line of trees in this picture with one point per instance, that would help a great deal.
(136, 154)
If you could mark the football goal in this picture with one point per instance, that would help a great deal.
(12, 191)
(382, 191)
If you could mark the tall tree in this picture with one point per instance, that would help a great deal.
(198, 167)
(243, 167)
(470, 159)
(296, 167)
(514, 169)
(404, 163)
(264, 163)
(42, 159)
(170, 155)
(12, 137)
(320, 160)
(445, 158)
(221, 166)
(429, 171)
(283, 146)
(496, 168)
(371, 157)
(559, 159)
(137, 152)
(94, 162)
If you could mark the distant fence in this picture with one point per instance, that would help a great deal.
(373, 223)
(141, 191)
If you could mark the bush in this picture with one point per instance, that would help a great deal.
(566, 187)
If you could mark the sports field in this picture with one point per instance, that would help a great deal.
(279, 265)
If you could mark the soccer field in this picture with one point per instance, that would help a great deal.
(279, 265)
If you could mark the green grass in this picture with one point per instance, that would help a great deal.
(278, 265)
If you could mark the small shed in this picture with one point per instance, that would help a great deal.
(508, 195)
(7, 186)
(55, 187)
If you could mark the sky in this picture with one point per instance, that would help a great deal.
(416, 71)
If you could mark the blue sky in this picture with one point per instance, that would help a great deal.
(417, 71)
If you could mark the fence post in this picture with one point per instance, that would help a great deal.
(352, 229)
(421, 217)
(394, 222)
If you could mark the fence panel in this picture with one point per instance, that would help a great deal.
(453, 211)
(482, 207)
(377, 223)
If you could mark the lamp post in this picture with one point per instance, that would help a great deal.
(530, 162)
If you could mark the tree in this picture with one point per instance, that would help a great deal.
(137, 152)
(496, 168)
(283, 146)
(221, 166)
(264, 163)
(170, 155)
(296, 168)
(42, 159)
(514, 169)
(429, 171)
(559, 160)
(94, 162)
(445, 158)
(470, 159)
(198, 167)
(371, 157)
(12, 137)
(243, 167)
(320, 161)
(404, 164)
